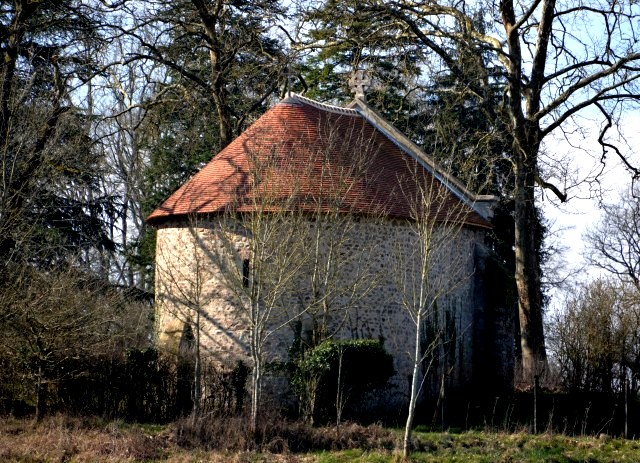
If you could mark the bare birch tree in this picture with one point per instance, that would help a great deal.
(339, 272)
(426, 271)
(261, 254)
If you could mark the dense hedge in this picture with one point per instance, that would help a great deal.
(140, 385)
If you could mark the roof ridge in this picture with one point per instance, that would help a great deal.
(294, 97)
(407, 145)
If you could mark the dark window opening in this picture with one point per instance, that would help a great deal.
(187, 340)
(245, 273)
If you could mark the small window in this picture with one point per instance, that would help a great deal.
(187, 340)
(245, 273)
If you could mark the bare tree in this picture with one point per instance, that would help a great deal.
(614, 242)
(338, 272)
(260, 255)
(550, 78)
(184, 293)
(594, 338)
(119, 107)
(51, 319)
(238, 269)
(427, 270)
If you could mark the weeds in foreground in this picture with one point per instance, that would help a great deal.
(65, 439)
(61, 438)
(275, 435)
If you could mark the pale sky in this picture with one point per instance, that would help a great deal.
(573, 218)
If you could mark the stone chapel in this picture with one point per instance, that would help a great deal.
(310, 216)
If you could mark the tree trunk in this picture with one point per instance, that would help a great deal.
(534, 358)
(197, 391)
(210, 15)
(255, 393)
(340, 395)
(41, 394)
(225, 129)
(406, 444)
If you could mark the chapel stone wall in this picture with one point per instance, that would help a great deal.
(189, 275)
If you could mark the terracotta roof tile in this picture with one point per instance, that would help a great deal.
(302, 155)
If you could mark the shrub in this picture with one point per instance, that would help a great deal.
(335, 374)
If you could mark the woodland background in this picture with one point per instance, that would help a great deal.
(107, 107)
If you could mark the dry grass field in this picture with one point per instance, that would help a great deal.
(64, 439)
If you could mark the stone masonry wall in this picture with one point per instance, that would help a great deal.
(197, 269)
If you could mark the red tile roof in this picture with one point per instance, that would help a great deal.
(303, 155)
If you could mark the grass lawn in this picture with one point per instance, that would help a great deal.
(63, 439)
(486, 447)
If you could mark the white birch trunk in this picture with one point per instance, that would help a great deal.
(417, 356)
